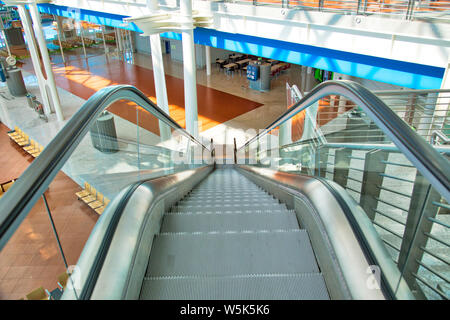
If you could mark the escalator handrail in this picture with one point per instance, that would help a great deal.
(22, 196)
(420, 153)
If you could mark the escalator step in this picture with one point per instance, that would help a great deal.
(240, 200)
(231, 253)
(307, 286)
(185, 222)
(207, 207)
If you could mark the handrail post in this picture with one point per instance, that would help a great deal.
(417, 224)
(341, 166)
(321, 161)
(54, 231)
(410, 10)
(320, 5)
(358, 6)
(235, 151)
(365, 7)
(370, 191)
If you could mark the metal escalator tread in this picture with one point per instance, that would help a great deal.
(232, 221)
(307, 286)
(229, 239)
(231, 253)
(207, 207)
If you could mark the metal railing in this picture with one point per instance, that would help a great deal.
(21, 198)
(392, 205)
(405, 9)
(408, 209)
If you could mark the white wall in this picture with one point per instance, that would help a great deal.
(176, 53)
(392, 38)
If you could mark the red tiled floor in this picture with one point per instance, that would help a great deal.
(83, 80)
(31, 258)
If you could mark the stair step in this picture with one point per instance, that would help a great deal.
(235, 197)
(206, 207)
(228, 222)
(225, 193)
(218, 211)
(240, 200)
(218, 188)
(231, 253)
(308, 286)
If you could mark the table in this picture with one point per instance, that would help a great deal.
(240, 62)
(230, 65)
(235, 56)
(275, 68)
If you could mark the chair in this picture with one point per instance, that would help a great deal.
(38, 152)
(39, 294)
(91, 197)
(31, 147)
(18, 136)
(102, 208)
(7, 185)
(97, 203)
(25, 141)
(62, 280)
(85, 192)
(35, 150)
(14, 133)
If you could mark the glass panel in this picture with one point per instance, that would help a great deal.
(125, 144)
(335, 139)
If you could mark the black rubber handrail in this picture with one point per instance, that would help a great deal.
(21, 197)
(420, 153)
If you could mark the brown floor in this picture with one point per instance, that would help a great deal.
(84, 79)
(31, 258)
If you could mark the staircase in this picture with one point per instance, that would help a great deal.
(229, 239)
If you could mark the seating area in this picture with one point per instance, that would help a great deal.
(239, 62)
(93, 198)
(23, 140)
(43, 294)
(234, 62)
(5, 186)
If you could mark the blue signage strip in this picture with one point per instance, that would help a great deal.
(406, 74)
(106, 19)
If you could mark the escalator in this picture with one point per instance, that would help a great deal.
(271, 226)
(223, 241)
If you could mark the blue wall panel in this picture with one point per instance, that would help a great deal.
(106, 19)
(411, 75)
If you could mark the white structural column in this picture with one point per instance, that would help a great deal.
(159, 75)
(189, 65)
(443, 101)
(342, 101)
(208, 60)
(309, 81)
(27, 27)
(50, 81)
(160, 82)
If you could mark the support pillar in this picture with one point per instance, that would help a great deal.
(443, 102)
(160, 82)
(32, 46)
(50, 81)
(208, 60)
(426, 120)
(189, 65)
(309, 79)
(159, 76)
